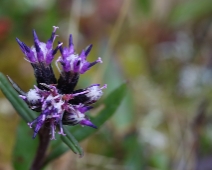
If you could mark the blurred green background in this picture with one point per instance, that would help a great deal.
(162, 48)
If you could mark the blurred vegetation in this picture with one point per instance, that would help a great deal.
(163, 49)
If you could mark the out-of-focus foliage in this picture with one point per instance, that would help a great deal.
(164, 51)
(24, 149)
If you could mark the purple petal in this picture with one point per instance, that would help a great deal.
(51, 53)
(85, 109)
(21, 45)
(99, 60)
(35, 36)
(57, 48)
(52, 38)
(49, 58)
(37, 128)
(40, 55)
(82, 55)
(76, 65)
(85, 67)
(23, 97)
(71, 44)
(88, 49)
(60, 48)
(27, 51)
(94, 85)
(88, 123)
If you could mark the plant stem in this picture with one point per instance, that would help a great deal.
(41, 151)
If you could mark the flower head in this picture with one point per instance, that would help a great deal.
(56, 100)
(40, 52)
(76, 63)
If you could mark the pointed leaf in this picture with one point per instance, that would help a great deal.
(71, 142)
(14, 99)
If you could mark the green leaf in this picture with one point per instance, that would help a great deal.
(25, 149)
(14, 99)
(111, 103)
(71, 142)
(189, 10)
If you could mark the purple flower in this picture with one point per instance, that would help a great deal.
(57, 101)
(72, 62)
(40, 55)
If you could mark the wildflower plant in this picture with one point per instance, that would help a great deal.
(54, 103)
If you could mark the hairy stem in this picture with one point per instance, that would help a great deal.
(41, 151)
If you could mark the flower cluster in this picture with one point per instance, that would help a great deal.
(56, 100)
